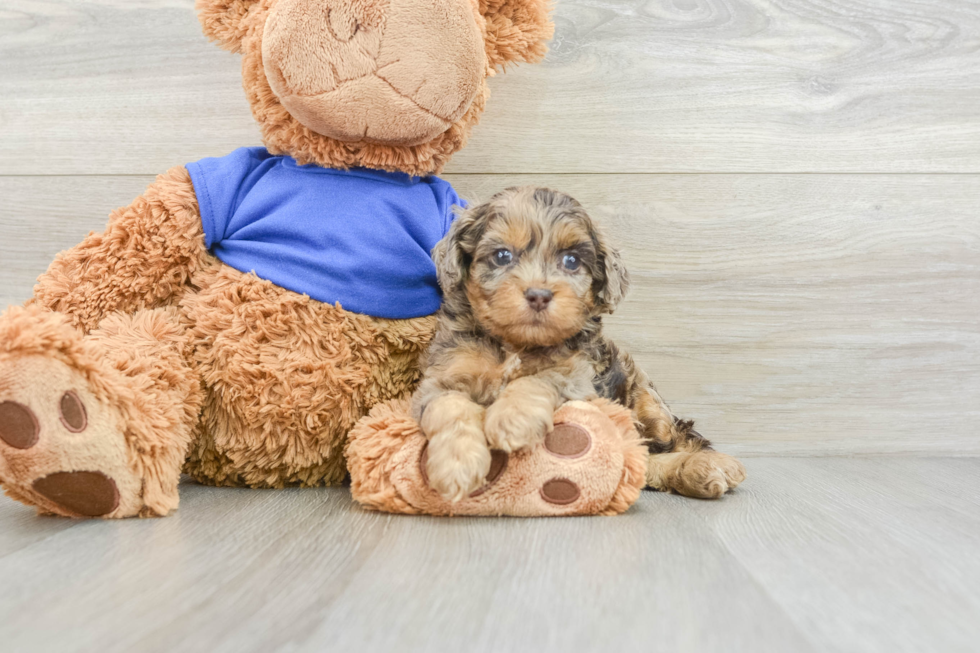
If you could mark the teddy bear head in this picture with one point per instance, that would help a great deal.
(388, 84)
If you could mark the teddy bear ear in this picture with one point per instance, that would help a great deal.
(517, 30)
(223, 20)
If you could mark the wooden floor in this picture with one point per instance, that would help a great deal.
(830, 554)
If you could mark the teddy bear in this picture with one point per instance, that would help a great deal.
(592, 462)
(236, 320)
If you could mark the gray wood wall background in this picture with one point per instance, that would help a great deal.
(794, 184)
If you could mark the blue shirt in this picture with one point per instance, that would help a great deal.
(359, 237)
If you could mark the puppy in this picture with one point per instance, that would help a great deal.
(526, 278)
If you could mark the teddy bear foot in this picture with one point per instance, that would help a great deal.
(61, 449)
(591, 463)
(93, 425)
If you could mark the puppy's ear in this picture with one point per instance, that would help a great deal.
(223, 21)
(448, 259)
(612, 280)
(453, 254)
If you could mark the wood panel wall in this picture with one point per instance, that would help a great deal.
(795, 185)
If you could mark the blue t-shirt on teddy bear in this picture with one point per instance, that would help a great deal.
(359, 237)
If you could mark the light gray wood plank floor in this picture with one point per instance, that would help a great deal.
(830, 554)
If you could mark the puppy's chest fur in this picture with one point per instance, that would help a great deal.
(483, 368)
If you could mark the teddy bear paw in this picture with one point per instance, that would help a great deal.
(575, 468)
(61, 449)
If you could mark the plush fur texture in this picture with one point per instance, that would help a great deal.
(145, 258)
(511, 31)
(397, 73)
(526, 278)
(141, 354)
(286, 377)
(516, 30)
(386, 450)
(191, 364)
(139, 396)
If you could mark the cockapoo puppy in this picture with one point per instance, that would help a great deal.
(526, 278)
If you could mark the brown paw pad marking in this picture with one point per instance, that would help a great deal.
(18, 425)
(498, 463)
(88, 494)
(568, 441)
(560, 491)
(72, 412)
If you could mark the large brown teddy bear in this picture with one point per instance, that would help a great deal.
(202, 330)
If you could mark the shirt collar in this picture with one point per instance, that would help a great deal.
(400, 178)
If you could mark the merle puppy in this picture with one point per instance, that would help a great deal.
(526, 279)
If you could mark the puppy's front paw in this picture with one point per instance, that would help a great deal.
(456, 466)
(512, 425)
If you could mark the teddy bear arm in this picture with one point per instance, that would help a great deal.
(144, 259)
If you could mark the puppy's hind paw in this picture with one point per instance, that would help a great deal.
(701, 474)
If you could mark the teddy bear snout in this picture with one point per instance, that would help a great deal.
(396, 72)
(343, 23)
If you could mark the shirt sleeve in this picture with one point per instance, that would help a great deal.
(452, 201)
(218, 183)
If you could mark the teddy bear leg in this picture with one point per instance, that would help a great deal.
(94, 425)
(591, 462)
(285, 378)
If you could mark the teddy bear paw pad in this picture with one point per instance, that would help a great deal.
(568, 441)
(89, 494)
(61, 448)
(560, 491)
(18, 425)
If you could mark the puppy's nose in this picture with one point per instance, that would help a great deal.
(538, 298)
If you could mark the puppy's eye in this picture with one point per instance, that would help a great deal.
(502, 257)
(570, 262)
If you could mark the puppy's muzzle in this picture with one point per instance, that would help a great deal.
(538, 298)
